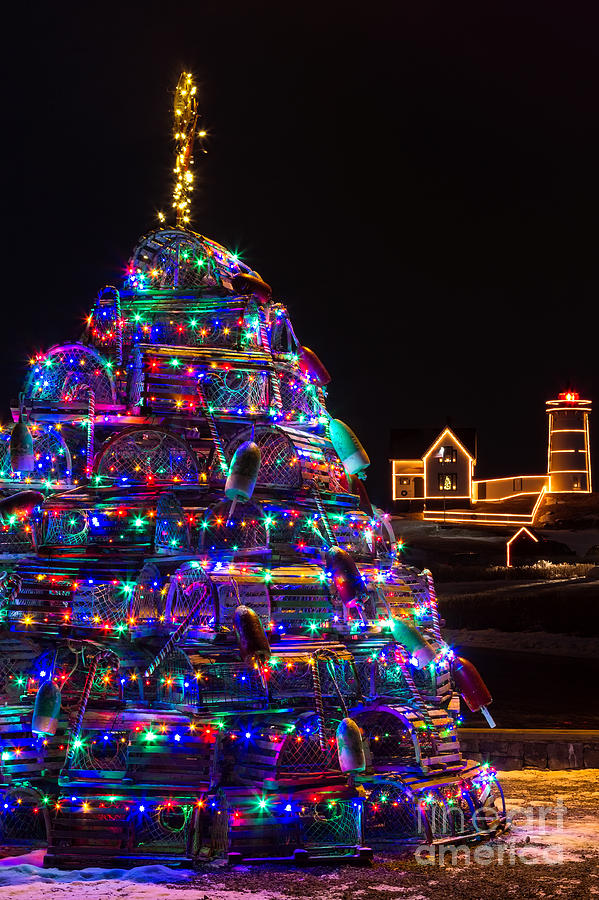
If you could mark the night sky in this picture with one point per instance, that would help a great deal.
(417, 181)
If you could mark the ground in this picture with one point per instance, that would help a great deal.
(557, 858)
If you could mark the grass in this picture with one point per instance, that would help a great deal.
(539, 571)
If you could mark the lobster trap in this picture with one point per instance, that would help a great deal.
(18, 658)
(317, 823)
(278, 750)
(146, 456)
(246, 529)
(135, 749)
(236, 391)
(469, 806)
(52, 457)
(279, 466)
(403, 738)
(171, 533)
(121, 831)
(392, 813)
(16, 537)
(26, 756)
(190, 596)
(219, 683)
(24, 817)
(299, 397)
(69, 373)
(169, 258)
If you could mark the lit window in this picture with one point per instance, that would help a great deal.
(448, 455)
(517, 484)
(448, 481)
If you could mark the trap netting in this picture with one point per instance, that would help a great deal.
(68, 528)
(241, 391)
(66, 372)
(302, 754)
(246, 529)
(465, 808)
(15, 537)
(293, 677)
(148, 597)
(165, 825)
(391, 738)
(101, 604)
(279, 465)
(331, 823)
(171, 259)
(52, 458)
(171, 533)
(392, 814)
(352, 532)
(101, 751)
(299, 398)
(177, 681)
(337, 476)
(223, 683)
(147, 456)
(17, 660)
(389, 680)
(23, 817)
(190, 591)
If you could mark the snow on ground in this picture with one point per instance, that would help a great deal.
(552, 850)
(537, 641)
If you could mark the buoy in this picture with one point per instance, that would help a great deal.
(348, 448)
(22, 502)
(346, 576)
(243, 473)
(46, 709)
(356, 486)
(251, 637)
(471, 687)
(409, 637)
(21, 447)
(350, 747)
(311, 365)
(250, 284)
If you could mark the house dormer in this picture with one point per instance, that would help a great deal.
(448, 468)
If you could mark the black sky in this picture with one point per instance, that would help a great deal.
(416, 180)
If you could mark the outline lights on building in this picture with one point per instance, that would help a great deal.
(508, 546)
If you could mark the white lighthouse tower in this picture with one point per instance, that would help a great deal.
(569, 451)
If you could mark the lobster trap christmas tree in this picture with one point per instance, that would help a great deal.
(209, 643)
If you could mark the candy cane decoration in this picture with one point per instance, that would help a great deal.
(434, 607)
(91, 429)
(324, 517)
(322, 738)
(89, 682)
(218, 446)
